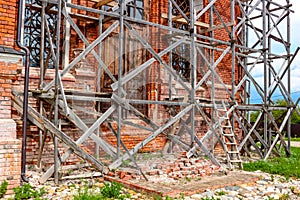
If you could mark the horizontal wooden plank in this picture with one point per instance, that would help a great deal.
(182, 20)
(105, 2)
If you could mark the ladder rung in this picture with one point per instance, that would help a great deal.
(228, 134)
(236, 161)
(224, 117)
(233, 152)
(230, 143)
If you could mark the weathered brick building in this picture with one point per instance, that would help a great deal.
(83, 76)
(150, 75)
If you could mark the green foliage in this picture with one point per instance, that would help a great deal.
(210, 198)
(27, 192)
(278, 114)
(253, 116)
(189, 179)
(221, 193)
(157, 197)
(3, 188)
(288, 167)
(86, 195)
(125, 163)
(284, 197)
(109, 191)
(182, 196)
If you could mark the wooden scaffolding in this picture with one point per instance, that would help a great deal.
(251, 29)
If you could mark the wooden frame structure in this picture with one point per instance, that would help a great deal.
(251, 34)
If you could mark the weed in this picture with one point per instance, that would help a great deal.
(221, 193)
(182, 196)
(125, 163)
(27, 192)
(284, 197)
(282, 179)
(189, 179)
(86, 195)
(157, 197)
(210, 198)
(272, 178)
(3, 188)
(111, 190)
(70, 171)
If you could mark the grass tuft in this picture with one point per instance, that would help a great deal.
(288, 167)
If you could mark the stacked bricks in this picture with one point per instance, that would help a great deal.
(181, 168)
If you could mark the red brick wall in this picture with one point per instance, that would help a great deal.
(10, 65)
(10, 163)
(8, 74)
(8, 18)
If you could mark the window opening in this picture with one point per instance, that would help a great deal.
(135, 9)
(181, 54)
(32, 32)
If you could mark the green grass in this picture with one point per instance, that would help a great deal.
(288, 167)
(295, 139)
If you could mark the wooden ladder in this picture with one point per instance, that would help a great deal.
(229, 142)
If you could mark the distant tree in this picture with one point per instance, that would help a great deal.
(253, 116)
(278, 114)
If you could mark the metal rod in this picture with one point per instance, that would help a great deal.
(193, 66)
(288, 24)
(120, 72)
(55, 142)
(20, 27)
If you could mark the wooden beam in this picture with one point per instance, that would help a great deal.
(44, 122)
(213, 28)
(158, 130)
(182, 20)
(103, 2)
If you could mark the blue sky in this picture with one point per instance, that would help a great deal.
(257, 72)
